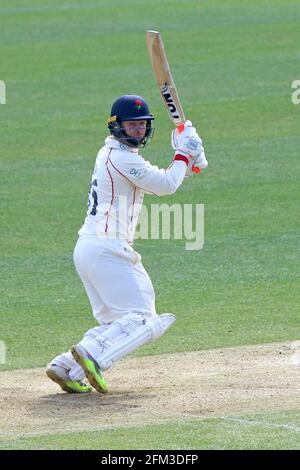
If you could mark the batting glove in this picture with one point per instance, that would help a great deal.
(188, 128)
(198, 162)
(188, 143)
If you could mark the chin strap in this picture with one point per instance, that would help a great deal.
(120, 134)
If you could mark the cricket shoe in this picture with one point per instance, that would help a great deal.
(61, 377)
(90, 367)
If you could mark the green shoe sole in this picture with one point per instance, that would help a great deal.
(92, 374)
(69, 386)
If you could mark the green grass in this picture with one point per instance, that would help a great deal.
(233, 63)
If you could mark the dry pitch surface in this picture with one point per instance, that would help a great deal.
(155, 389)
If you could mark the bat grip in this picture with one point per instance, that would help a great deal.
(195, 169)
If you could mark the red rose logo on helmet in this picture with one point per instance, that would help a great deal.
(138, 104)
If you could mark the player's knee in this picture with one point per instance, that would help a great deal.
(138, 332)
(159, 324)
(130, 322)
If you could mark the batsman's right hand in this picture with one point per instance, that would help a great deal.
(196, 162)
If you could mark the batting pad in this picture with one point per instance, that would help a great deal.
(151, 330)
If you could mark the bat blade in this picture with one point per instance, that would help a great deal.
(164, 77)
(165, 81)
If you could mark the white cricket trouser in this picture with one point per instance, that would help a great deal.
(116, 284)
(114, 278)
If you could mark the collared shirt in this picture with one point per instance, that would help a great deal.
(121, 177)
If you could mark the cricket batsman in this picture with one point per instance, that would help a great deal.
(118, 287)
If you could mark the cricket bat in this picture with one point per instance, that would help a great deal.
(165, 81)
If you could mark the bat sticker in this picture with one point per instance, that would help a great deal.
(165, 91)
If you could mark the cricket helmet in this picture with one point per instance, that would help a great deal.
(130, 108)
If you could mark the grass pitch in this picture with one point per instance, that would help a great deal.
(233, 64)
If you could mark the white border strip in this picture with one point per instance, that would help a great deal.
(265, 424)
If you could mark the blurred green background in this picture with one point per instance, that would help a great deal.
(233, 63)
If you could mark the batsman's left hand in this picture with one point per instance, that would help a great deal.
(187, 141)
(197, 157)
(190, 144)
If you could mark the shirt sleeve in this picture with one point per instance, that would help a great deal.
(149, 177)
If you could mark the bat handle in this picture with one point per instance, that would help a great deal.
(195, 169)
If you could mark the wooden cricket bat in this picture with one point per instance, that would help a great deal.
(165, 81)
